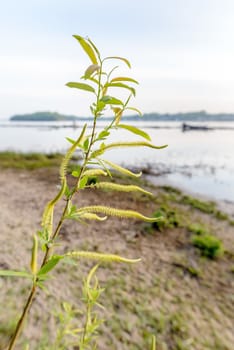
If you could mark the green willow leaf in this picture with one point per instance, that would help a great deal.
(51, 263)
(122, 86)
(118, 58)
(90, 70)
(83, 182)
(103, 134)
(109, 100)
(124, 79)
(12, 273)
(87, 48)
(135, 130)
(94, 47)
(81, 86)
(134, 109)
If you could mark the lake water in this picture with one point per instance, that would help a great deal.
(201, 162)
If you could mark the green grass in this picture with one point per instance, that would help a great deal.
(30, 161)
(198, 229)
(206, 207)
(209, 246)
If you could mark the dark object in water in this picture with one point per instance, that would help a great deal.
(187, 127)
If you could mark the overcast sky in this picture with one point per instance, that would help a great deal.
(182, 52)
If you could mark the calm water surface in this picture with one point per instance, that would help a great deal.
(201, 162)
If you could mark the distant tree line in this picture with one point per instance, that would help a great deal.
(188, 116)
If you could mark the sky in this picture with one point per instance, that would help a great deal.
(181, 51)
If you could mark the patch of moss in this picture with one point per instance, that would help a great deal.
(198, 229)
(171, 218)
(220, 215)
(209, 246)
(206, 207)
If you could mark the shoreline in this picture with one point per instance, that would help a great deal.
(223, 204)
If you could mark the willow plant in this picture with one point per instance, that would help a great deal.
(93, 145)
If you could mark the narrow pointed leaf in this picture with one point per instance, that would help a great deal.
(94, 47)
(81, 86)
(124, 79)
(103, 134)
(109, 100)
(90, 70)
(12, 273)
(49, 265)
(121, 85)
(134, 109)
(135, 130)
(83, 182)
(119, 58)
(87, 48)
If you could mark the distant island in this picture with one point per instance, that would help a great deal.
(183, 117)
(43, 117)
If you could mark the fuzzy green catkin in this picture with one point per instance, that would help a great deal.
(124, 144)
(94, 172)
(92, 216)
(47, 217)
(120, 169)
(121, 188)
(101, 257)
(116, 212)
(66, 159)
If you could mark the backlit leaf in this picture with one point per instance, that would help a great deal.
(87, 48)
(121, 85)
(109, 100)
(119, 58)
(124, 79)
(134, 109)
(81, 86)
(90, 70)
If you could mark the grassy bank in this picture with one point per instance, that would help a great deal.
(181, 290)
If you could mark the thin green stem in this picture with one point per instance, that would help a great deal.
(22, 318)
